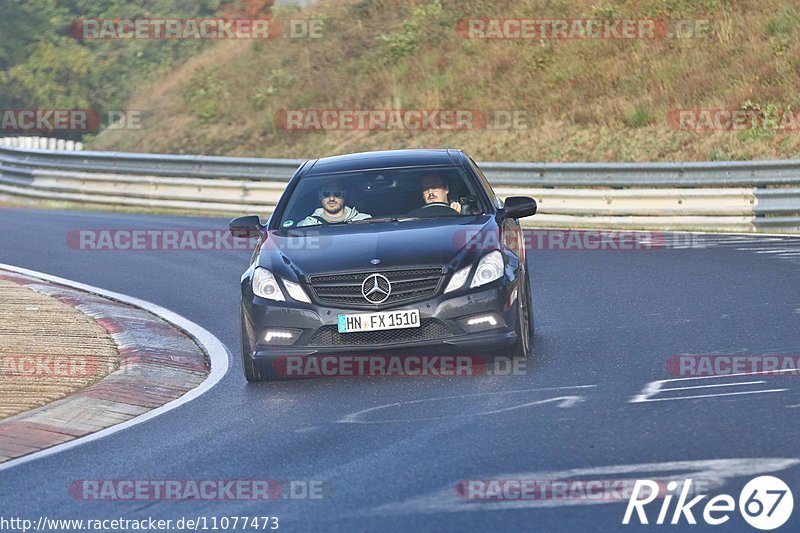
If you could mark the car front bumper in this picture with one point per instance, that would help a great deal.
(441, 331)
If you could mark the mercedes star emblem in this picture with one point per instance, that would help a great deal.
(376, 288)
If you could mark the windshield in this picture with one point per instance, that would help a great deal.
(370, 196)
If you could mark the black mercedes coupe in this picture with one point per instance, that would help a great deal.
(403, 250)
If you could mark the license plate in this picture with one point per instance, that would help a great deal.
(408, 318)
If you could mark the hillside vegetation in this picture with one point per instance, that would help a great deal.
(44, 66)
(586, 100)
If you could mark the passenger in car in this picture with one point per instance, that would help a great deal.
(333, 196)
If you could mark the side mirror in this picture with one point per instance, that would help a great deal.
(519, 207)
(248, 226)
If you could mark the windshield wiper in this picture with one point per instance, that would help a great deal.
(383, 219)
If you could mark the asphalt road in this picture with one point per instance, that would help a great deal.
(607, 323)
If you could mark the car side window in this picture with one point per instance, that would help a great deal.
(486, 185)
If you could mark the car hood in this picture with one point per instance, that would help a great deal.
(353, 247)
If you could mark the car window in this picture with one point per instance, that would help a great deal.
(384, 193)
(486, 185)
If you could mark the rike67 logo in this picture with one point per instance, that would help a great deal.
(765, 503)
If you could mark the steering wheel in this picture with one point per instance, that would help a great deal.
(434, 209)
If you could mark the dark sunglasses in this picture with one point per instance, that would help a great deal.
(335, 194)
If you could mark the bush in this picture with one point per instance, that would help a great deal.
(401, 44)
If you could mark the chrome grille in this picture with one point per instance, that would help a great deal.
(345, 289)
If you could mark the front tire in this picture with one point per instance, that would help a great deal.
(529, 299)
(524, 327)
(252, 371)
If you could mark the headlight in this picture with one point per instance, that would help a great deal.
(458, 280)
(296, 291)
(490, 268)
(266, 286)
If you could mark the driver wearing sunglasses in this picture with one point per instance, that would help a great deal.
(332, 197)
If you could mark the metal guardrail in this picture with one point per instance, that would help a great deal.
(701, 174)
(728, 196)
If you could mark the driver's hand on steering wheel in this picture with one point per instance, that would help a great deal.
(456, 206)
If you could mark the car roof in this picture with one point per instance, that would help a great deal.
(383, 159)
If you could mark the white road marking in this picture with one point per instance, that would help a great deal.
(698, 396)
(217, 353)
(654, 387)
(562, 402)
(778, 251)
(715, 472)
(715, 385)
